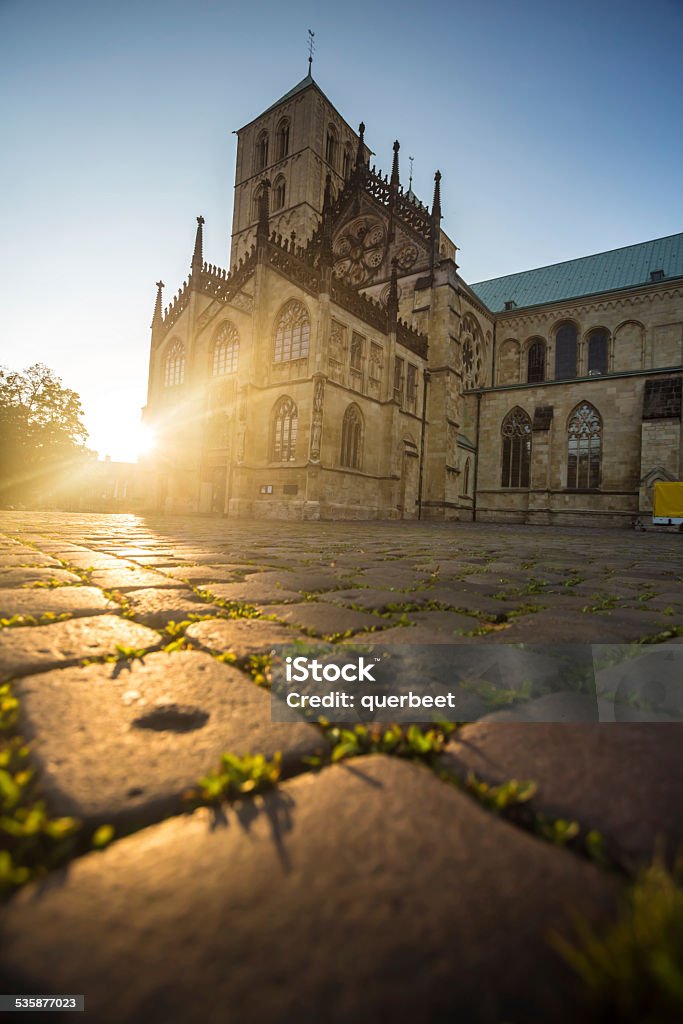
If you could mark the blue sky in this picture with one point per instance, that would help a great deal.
(557, 128)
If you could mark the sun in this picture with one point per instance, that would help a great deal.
(125, 441)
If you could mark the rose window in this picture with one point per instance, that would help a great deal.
(360, 250)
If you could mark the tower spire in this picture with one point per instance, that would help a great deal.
(394, 166)
(198, 254)
(157, 317)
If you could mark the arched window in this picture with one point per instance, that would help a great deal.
(516, 433)
(584, 455)
(285, 421)
(292, 333)
(174, 367)
(331, 147)
(279, 191)
(536, 362)
(346, 162)
(226, 348)
(262, 151)
(356, 358)
(352, 438)
(282, 139)
(565, 351)
(598, 349)
(466, 478)
(256, 204)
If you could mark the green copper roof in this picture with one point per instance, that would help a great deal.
(591, 275)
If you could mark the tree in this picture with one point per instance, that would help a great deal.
(42, 435)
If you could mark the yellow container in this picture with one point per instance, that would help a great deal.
(667, 505)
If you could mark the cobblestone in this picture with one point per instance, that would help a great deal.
(53, 601)
(374, 881)
(384, 890)
(242, 637)
(23, 577)
(122, 742)
(623, 780)
(67, 643)
(159, 607)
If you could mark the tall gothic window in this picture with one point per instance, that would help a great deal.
(536, 362)
(282, 139)
(279, 192)
(256, 204)
(285, 421)
(356, 358)
(516, 434)
(226, 348)
(346, 163)
(466, 478)
(598, 348)
(174, 367)
(331, 147)
(262, 151)
(584, 455)
(352, 438)
(565, 351)
(292, 333)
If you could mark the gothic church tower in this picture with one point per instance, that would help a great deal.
(294, 145)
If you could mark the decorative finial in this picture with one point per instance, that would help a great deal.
(311, 49)
(157, 317)
(436, 203)
(360, 152)
(410, 180)
(394, 167)
(198, 254)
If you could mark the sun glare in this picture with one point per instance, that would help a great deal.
(125, 443)
(145, 439)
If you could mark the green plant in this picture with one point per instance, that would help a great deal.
(503, 796)
(633, 968)
(31, 620)
(496, 696)
(409, 742)
(32, 841)
(237, 776)
(601, 603)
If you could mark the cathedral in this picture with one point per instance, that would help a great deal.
(341, 368)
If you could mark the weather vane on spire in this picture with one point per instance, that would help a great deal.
(311, 49)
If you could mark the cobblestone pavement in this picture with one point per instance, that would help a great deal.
(364, 889)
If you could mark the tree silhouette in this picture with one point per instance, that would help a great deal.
(42, 435)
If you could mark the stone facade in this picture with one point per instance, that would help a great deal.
(342, 368)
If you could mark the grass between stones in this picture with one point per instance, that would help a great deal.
(632, 971)
(34, 620)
